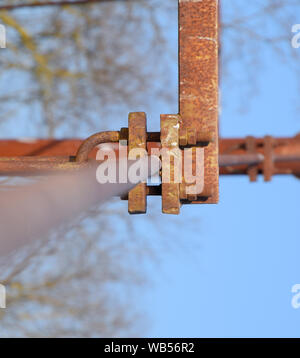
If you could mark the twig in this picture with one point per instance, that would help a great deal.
(52, 3)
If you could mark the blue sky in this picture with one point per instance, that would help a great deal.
(236, 280)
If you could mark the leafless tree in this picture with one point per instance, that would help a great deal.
(253, 35)
(72, 71)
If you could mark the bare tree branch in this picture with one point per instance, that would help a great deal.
(55, 3)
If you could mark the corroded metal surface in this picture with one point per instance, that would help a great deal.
(232, 160)
(198, 79)
(280, 155)
(251, 149)
(38, 147)
(31, 166)
(235, 157)
(90, 143)
(169, 125)
(268, 158)
(137, 139)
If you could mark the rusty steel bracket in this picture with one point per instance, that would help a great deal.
(170, 156)
(137, 139)
(198, 83)
(171, 142)
(170, 146)
(268, 158)
(174, 140)
(197, 121)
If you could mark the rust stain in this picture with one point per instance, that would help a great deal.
(52, 155)
(169, 142)
(137, 138)
(198, 81)
(90, 143)
(251, 149)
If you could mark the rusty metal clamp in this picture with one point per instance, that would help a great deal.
(175, 139)
(172, 140)
(137, 139)
(267, 148)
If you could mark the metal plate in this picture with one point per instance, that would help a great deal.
(137, 138)
(169, 125)
(198, 79)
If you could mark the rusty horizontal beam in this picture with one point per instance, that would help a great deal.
(39, 147)
(285, 155)
(30, 156)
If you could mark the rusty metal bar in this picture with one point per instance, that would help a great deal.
(170, 191)
(39, 147)
(198, 79)
(89, 144)
(251, 149)
(31, 166)
(229, 160)
(36, 156)
(282, 158)
(137, 140)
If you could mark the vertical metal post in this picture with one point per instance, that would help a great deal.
(198, 79)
